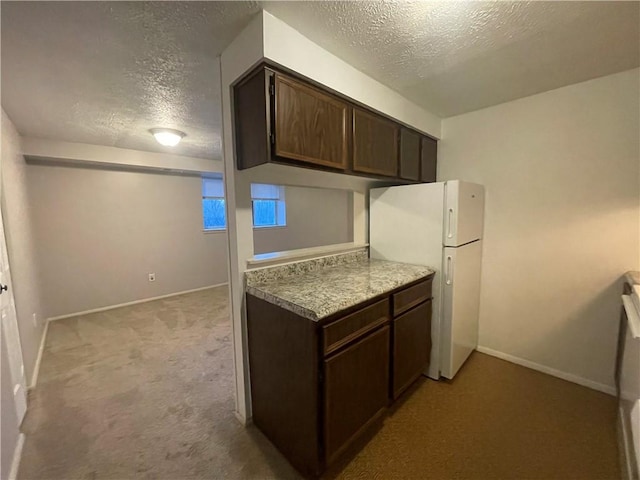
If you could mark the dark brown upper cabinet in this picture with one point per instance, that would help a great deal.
(252, 122)
(428, 160)
(375, 144)
(310, 126)
(409, 154)
(282, 118)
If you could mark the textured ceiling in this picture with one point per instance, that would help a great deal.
(105, 72)
(453, 57)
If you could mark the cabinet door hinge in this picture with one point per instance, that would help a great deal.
(273, 138)
(272, 89)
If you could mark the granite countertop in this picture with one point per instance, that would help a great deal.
(318, 294)
(632, 278)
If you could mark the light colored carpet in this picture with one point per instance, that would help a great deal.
(146, 392)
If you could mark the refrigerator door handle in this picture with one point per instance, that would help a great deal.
(449, 271)
(449, 223)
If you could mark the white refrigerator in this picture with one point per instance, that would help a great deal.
(438, 225)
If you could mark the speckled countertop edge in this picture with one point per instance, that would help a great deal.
(320, 293)
(279, 272)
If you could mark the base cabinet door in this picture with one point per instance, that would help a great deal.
(356, 383)
(411, 346)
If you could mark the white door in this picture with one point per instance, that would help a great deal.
(461, 305)
(10, 331)
(464, 213)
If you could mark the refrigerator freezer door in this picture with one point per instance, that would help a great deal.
(461, 305)
(464, 213)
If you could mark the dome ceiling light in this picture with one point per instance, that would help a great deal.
(167, 136)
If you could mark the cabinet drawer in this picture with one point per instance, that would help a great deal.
(412, 296)
(348, 328)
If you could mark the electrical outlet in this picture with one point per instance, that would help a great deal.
(152, 277)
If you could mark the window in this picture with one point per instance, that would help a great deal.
(269, 209)
(213, 204)
(267, 201)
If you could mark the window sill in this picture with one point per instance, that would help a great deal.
(269, 227)
(214, 230)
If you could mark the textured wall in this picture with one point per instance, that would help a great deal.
(101, 232)
(562, 218)
(21, 246)
(315, 216)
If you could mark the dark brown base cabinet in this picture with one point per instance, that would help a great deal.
(317, 387)
(280, 117)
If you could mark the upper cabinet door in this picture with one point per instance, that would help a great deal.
(375, 144)
(428, 160)
(409, 155)
(310, 126)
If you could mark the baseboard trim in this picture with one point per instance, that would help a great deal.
(36, 368)
(135, 302)
(242, 419)
(601, 387)
(17, 455)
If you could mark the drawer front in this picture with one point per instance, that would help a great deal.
(346, 329)
(412, 296)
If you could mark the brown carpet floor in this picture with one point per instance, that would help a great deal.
(496, 420)
(147, 392)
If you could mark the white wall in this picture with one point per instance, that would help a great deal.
(315, 217)
(101, 232)
(562, 219)
(21, 245)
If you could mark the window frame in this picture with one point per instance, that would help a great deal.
(280, 207)
(212, 197)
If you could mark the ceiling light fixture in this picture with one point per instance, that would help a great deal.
(167, 136)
